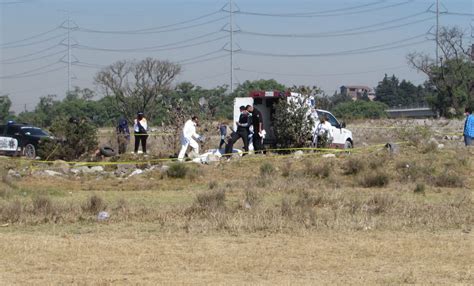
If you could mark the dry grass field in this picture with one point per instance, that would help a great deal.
(368, 217)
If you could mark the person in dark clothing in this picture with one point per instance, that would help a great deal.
(123, 135)
(223, 133)
(257, 123)
(242, 132)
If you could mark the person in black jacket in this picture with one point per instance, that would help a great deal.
(257, 123)
(242, 132)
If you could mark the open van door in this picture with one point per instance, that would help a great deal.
(238, 102)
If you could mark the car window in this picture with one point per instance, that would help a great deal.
(332, 120)
(11, 130)
(33, 131)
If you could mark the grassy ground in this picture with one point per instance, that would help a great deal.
(362, 218)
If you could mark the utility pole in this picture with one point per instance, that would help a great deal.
(68, 54)
(69, 58)
(231, 12)
(437, 32)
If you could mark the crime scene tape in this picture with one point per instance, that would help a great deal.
(137, 134)
(316, 152)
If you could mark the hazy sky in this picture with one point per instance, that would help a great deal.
(320, 42)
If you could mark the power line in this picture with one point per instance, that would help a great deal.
(204, 60)
(322, 14)
(200, 56)
(34, 59)
(149, 31)
(27, 73)
(333, 34)
(365, 50)
(34, 43)
(323, 75)
(29, 38)
(28, 55)
(156, 48)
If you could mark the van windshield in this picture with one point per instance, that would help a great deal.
(33, 131)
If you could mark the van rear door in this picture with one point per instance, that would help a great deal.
(238, 102)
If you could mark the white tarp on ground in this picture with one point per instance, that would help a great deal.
(8, 144)
(213, 155)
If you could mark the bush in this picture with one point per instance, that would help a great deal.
(42, 205)
(267, 169)
(286, 169)
(375, 179)
(73, 139)
(252, 198)
(419, 189)
(353, 166)
(211, 201)
(94, 205)
(177, 171)
(360, 109)
(12, 211)
(449, 180)
(292, 126)
(320, 170)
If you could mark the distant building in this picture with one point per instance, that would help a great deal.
(357, 91)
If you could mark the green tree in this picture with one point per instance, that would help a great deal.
(452, 80)
(5, 105)
(293, 123)
(360, 109)
(263, 84)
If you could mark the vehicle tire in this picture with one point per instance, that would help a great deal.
(348, 145)
(29, 151)
(107, 151)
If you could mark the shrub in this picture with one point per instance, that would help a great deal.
(375, 179)
(415, 136)
(211, 201)
(94, 204)
(353, 166)
(213, 185)
(380, 203)
(286, 169)
(320, 170)
(267, 169)
(42, 205)
(360, 109)
(75, 139)
(252, 198)
(419, 189)
(177, 170)
(307, 199)
(449, 180)
(12, 211)
(293, 126)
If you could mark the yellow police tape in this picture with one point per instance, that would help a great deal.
(320, 151)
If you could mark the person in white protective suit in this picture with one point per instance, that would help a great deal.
(188, 137)
(323, 136)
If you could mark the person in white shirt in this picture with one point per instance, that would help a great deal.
(188, 138)
(323, 134)
(140, 128)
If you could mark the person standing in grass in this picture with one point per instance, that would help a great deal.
(242, 131)
(323, 134)
(188, 138)
(469, 127)
(123, 135)
(223, 133)
(140, 128)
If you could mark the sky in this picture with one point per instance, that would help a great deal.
(327, 43)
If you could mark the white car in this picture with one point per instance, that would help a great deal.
(265, 101)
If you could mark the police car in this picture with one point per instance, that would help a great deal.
(20, 138)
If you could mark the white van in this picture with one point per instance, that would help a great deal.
(265, 102)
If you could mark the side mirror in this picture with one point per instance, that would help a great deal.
(343, 125)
